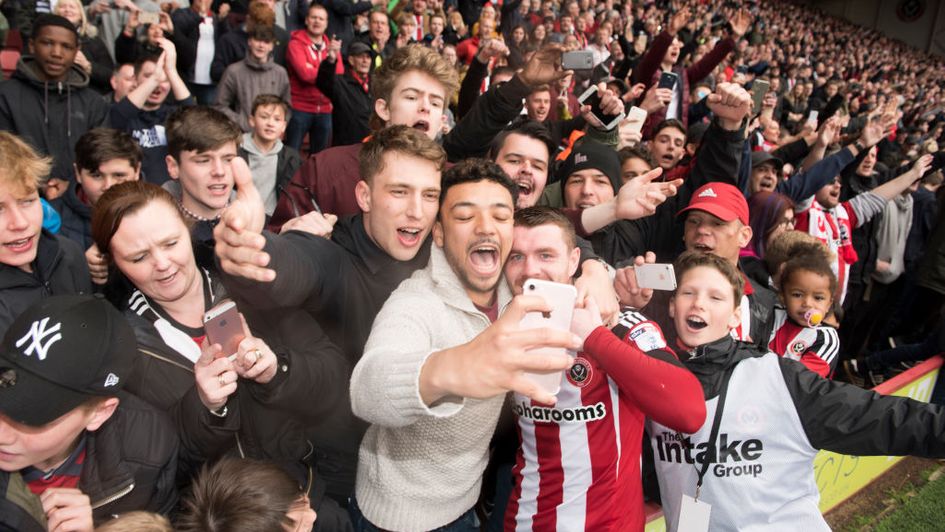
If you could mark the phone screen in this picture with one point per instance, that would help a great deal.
(593, 99)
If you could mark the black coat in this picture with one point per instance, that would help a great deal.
(36, 111)
(76, 216)
(351, 104)
(341, 18)
(59, 269)
(102, 65)
(130, 464)
(187, 34)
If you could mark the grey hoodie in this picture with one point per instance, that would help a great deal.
(265, 170)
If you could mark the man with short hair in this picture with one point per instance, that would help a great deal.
(621, 376)
(344, 281)
(34, 263)
(47, 101)
(71, 440)
(668, 145)
(201, 143)
(311, 109)
(103, 158)
(378, 36)
(439, 361)
(123, 81)
(255, 75)
(350, 93)
(145, 110)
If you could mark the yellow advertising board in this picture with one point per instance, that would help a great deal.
(841, 476)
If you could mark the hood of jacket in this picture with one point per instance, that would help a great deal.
(253, 64)
(71, 200)
(710, 362)
(251, 147)
(27, 69)
(48, 255)
(303, 37)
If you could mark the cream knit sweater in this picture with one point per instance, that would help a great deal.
(420, 467)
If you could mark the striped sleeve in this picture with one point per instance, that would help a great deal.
(821, 357)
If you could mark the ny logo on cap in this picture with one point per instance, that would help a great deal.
(708, 193)
(39, 332)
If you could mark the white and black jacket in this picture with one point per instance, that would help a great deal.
(776, 416)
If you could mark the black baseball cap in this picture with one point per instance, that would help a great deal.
(358, 47)
(759, 158)
(590, 154)
(61, 352)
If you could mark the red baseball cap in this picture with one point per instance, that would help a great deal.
(721, 200)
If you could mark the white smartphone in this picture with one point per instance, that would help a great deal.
(561, 298)
(592, 98)
(223, 326)
(637, 117)
(812, 118)
(655, 276)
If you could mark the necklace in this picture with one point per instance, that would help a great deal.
(197, 217)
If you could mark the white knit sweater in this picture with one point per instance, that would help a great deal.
(420, 467)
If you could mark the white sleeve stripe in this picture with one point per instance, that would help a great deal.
(828, 345)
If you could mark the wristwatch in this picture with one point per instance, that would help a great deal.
(219, 412)
(860, 148)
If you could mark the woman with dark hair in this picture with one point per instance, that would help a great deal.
(769, 214)
(517, 44)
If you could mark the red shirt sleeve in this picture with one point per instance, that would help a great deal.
(667, 393)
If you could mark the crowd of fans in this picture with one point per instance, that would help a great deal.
(204, 329)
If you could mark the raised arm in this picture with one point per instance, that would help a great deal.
(850, 420)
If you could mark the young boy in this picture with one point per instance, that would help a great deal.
(769, 416)
(69, 443)
(34, 264)
(257, 74)
(271, 162)
(103, 157)
(807, 288)
(144, 111)
(201, 143)
(47, 101)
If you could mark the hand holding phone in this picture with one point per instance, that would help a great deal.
(668, 80)
(655, 276)
(592, 98)
(561, 298)
(578, 60)
(759, 88)
(223, 326)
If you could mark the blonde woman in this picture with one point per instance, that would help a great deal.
(93, 57)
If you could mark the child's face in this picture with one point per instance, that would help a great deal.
(806, 291)
(268, 122)
(704, 307)
(260, 50)
(109, 174)
(21, 220)
(43, 447)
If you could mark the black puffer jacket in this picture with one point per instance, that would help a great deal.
(130, 464)
(50, 116)
(59, 269)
